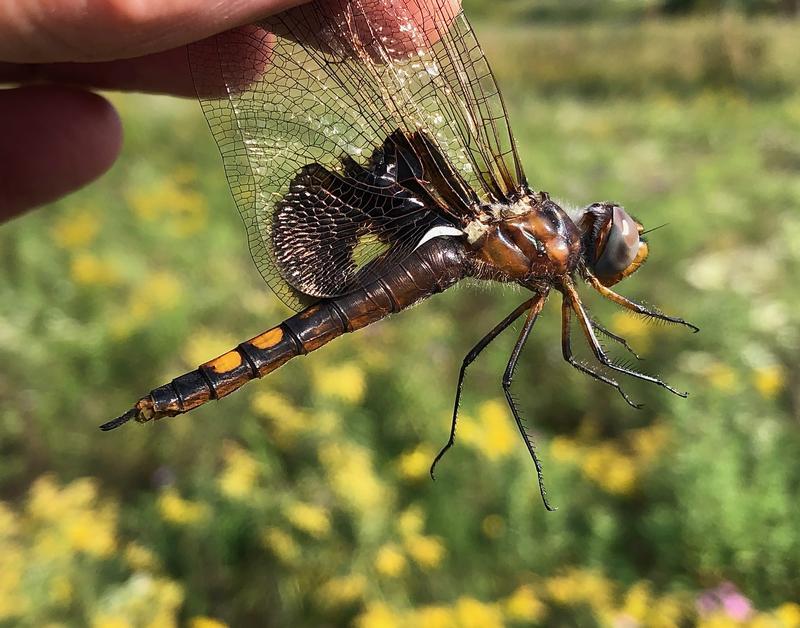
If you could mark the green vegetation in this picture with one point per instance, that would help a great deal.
(571, 11)
(304, 499)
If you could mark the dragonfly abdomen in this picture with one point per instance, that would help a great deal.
(432, 268)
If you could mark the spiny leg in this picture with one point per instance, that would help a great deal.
(633, 306)
(508, 377)
(566, 350)
(619, 339)
(574, 300)
(468, 359)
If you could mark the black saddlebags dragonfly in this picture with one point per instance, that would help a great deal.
(369, 152)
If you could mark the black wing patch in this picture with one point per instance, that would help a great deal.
(332, 232)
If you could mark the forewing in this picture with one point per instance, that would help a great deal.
(305, 105)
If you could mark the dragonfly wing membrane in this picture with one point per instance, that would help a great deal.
(349, 127)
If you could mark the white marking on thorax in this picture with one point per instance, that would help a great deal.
(475, 230)
(437, 232)
(519, 208)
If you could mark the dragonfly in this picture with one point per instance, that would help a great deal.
(369, 152)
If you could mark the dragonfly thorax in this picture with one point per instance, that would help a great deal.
(531, 244)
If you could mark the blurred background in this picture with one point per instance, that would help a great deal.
(304, 500)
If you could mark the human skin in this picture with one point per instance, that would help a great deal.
(56, 135)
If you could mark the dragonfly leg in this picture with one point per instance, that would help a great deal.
(469, 359)
(583, 318)
(633, 306)
(508, 378)
(566, 349)
(619, 339)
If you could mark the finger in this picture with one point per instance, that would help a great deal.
(235, 59)
(159, 73)
(384, 27)
(46, 31)
(55, 140)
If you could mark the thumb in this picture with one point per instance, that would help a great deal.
(55, 140)
(46, 31)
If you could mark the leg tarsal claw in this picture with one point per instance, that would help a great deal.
(572, 301)
(633, 306)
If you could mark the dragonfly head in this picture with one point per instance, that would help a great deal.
(613, 246)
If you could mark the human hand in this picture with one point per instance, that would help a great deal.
(55, 138)
(55, 134)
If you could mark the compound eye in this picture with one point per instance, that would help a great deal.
(621, 246)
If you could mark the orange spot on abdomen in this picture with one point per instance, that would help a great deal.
(226, 362)
(268, 339)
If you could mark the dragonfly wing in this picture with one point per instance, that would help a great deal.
(348, 128)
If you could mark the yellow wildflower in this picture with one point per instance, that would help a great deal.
(13, 600)
(343, 590)
(313, 520)
(415, 464)
(74, 520)
(107, 621)
(281, 544)
(240, 473)
(271, 404)
(175, 509)
(427, 551)
(612, 470)
(9, 522)
(286, 422)
(140, 558)
(472, 613)
(638, 602)
(93, 532)
(718, 620)
(433, 617)
(667, 612)
(762, 620)
(493, 434)
(411, 521)
(578, 586)
(378, 615)
(634, 329)
(76, 230)
(523, 605)
(500, 436)
(769, 380)
(390, 561)
(89, 270)
(351, 476)
(206, 622)
(345, 382)
(566, 450)
(48, 502)
(493, 526)
(789, 615)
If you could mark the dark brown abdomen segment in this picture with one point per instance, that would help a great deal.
(432, 268)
